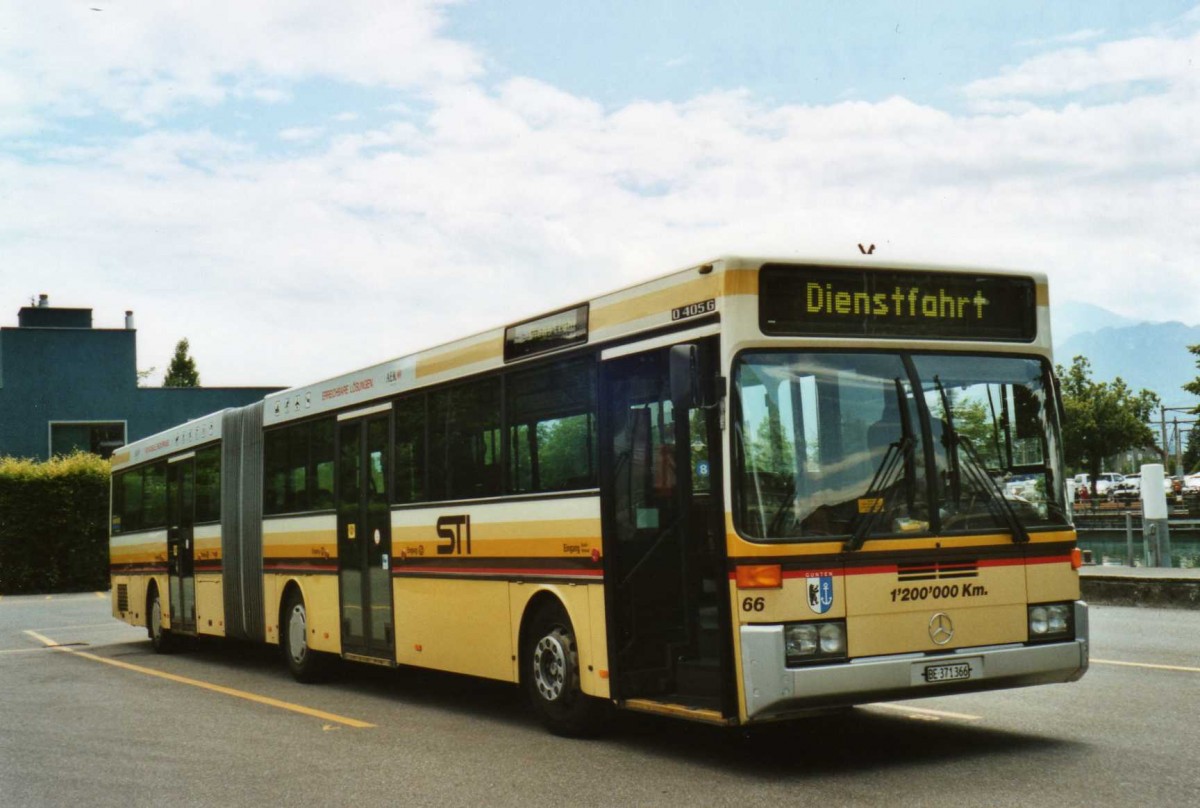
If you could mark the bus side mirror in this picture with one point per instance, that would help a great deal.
(685, 377)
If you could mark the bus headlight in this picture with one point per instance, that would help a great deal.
(807, 643)
(1050, 621)
(833, 639)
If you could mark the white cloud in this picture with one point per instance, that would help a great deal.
(1073, 70)
(142, 60)
(301, 134)
(1082, 35)
(502, 201)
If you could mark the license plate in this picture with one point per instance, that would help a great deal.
(947, 673)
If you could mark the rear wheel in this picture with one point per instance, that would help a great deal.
(305, 664)
(161, 639)
(550, 675)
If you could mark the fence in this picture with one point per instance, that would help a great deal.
(1120, 538)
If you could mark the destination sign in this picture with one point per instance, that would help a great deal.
(836, 301)
(550, 333)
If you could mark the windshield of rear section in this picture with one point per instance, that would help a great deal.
(893, 444)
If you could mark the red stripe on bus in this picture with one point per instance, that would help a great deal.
(886, 569)
(293, 567)
(1066, 559)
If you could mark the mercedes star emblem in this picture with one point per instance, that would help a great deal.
(941, 628)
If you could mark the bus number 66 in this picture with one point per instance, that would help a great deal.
(754, 604)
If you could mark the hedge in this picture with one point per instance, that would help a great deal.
(54, 524)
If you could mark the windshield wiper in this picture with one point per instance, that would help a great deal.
(894, 461)
(976, 471)
(775, 526)
(951, 443)
(984, 480)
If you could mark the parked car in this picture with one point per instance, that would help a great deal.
(1103, 483)
(1128, 489)
(1021, 486)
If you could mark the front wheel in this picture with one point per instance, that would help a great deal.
(551, 677)
(305, 664)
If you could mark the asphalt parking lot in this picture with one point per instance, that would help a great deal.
(99, 719)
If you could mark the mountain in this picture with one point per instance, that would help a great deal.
(1146, 355)
(1073, 317)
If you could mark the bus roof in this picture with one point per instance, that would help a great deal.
(195, 433)
(644, 306)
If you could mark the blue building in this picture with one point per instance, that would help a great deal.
(65, 385)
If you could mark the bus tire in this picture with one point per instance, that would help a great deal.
(161, 639)
(305, 664)
(550, 674)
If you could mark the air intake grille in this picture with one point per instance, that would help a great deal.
(937, 571)
(122, 598)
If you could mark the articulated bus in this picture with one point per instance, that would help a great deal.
(738, 493)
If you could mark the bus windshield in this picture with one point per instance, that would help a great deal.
(889, 444)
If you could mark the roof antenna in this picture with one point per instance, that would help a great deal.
(866, 250)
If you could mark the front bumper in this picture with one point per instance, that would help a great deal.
(774, 690)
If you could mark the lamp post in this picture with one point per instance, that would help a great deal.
(1166, 452)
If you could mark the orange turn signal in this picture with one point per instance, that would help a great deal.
(1076, 558)
(759, 576)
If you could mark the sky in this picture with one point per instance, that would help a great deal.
(303, 188)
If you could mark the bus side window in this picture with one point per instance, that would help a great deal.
(154, 496)
(208, 484)
(464, 457)
(131, 500)
(297, 467)
(320, 471)
(410, 449)
(275, 472)
(552, 427)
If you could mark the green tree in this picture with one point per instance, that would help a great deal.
(1191, 452)
(971, 421)
(1102, 418)
(564, 451)
(1193, 386)
(182, 370)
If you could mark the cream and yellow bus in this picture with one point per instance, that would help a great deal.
(741, 492)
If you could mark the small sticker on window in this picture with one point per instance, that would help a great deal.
(870, 505)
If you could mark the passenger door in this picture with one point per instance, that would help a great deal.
(663, 535)
(181, 517)
(365, 535)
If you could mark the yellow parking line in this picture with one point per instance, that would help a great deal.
(925, 711)
(1180, 668)
(228, 691)
(102, 595)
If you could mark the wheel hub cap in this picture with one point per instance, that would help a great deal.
(297, 639)
(550, 668)
(156, 618)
